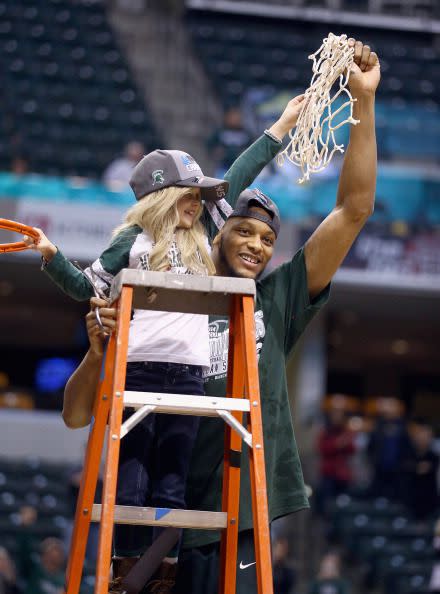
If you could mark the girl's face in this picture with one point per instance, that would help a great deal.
(188, 208)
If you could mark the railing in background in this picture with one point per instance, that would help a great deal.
(404, 193)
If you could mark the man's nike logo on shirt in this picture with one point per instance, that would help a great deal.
(245, 566)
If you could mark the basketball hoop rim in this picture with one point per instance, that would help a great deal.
(16, 246)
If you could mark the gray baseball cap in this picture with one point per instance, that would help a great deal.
(161, 169)
(254, 197)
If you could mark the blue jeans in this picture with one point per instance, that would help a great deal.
(155, 455)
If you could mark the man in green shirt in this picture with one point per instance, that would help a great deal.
(287, 299)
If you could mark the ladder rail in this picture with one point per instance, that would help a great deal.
(89, 478)
(232, 455)
(111, 466)
(257, 467)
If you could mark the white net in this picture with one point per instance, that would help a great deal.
(313, 143)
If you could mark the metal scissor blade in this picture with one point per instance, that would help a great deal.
(92, 280)
(98, 293)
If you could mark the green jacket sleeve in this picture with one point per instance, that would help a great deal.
(68, 278)
(112, 260)
(241, 173)
(248, 166)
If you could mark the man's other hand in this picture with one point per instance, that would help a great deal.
(108, 319)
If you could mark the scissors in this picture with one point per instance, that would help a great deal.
(98, 292)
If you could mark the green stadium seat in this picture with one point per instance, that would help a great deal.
(55, 57)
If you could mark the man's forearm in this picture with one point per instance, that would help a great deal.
(357, 185)
(80, 390)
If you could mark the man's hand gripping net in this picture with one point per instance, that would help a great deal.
(313, 142)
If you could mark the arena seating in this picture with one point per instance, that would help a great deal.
(395, 553)
(68, 101)
(424, 8)
(44, 487)
(242, 53)
(35, 484)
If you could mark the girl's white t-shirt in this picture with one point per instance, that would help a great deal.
(161, 335)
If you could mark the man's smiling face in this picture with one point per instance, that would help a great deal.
(244, 246)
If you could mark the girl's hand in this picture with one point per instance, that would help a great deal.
(288, 118)
(42, 244)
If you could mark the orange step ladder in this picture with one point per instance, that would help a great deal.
(188, 294)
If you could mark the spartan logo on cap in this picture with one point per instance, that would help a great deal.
(189, 163)
(158, 177)
(262, 197)
(220, 191)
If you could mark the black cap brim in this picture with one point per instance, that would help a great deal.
(211, 188)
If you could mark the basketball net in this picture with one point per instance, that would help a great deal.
(313, 143)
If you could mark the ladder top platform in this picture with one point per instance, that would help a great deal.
(186, 293)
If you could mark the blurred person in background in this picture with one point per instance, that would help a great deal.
(19, 165)
(44, 574)
(336, 446)
(27, 518)
(329, 580)
(8, 575)
(284, 577)
(118, 173)
(434, 582)
(420, 467)
(229, 141)
(387, 447)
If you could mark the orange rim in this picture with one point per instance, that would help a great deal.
(16, 246)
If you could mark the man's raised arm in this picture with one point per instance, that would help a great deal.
(80, 390)
(330, 243)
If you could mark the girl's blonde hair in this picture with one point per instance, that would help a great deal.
(157, 213)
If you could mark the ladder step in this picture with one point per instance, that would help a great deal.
(159, 516)
(204, 294)
(183, 404)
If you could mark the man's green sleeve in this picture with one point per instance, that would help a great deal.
(288, 290)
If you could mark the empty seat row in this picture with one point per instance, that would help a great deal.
(67, 88)
(244, 54)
